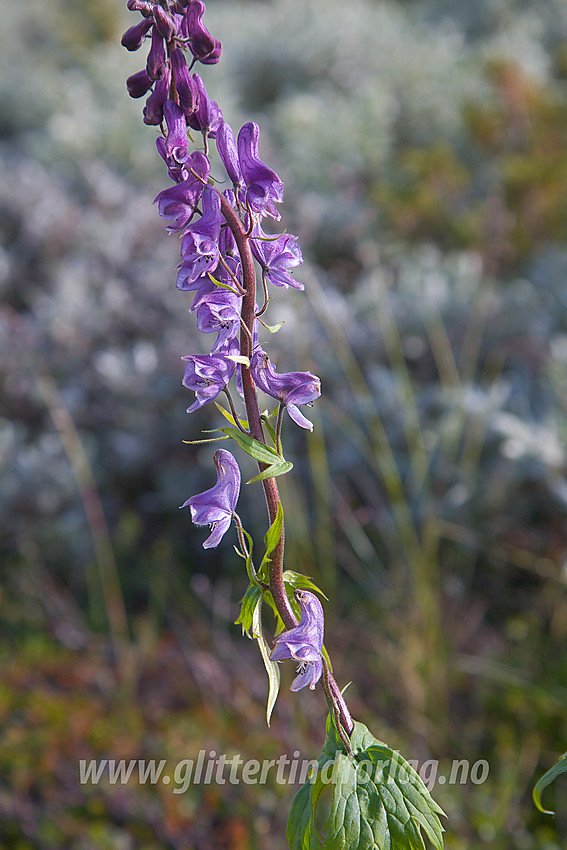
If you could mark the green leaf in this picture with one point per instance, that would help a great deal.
(227, 415)
(267, 425)
(376, 801)
(298, 580)
(209, 440)
(273, 329)
(279, 468)
(238, 358)
(549, 777)
(248, 604)
(272, 667)
(252, 447)
(272, 536)
(223, 285)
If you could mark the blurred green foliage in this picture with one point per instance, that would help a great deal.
(423, 149)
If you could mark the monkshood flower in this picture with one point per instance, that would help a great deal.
(208, 115)
(291, 388)
(215, 507)
(177, 203)
(303, 643)
(202, 45)
(228, 152)
(276, 256)
(207, 375)
(153, 110)
(199, 248)
(219, 312)
(263, 186)
(185, 85)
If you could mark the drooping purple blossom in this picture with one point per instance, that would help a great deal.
(199, 248)
(155, 64)
(276, 256)
(202, 45)
(228, 152)
(153, 110)
(207, 375)
(291, 388)
(215, 507)
(303, 643)
(139, 84)
(185, 85)
(264, 188)
(177, 203)
(134, 36)
(219, 313)
(208, 115)
(165, 24)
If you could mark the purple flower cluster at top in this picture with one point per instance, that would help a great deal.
(210, 267)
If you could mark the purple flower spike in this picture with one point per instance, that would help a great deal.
(185, 84)
(207, 376)
(291, 388)
(215, 507)
(263, 186)
(177, 203)
(199, 248)
(226, 146)
(276, 256)
(155, 65)
(304, 643)
(208, 116)
(139, 84)
(202, 45)
(133, 37)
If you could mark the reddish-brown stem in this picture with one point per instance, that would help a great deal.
(277, 585)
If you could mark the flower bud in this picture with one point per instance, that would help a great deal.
(133, 37)
(153, 110)
(185, 85)
(155, 66)
(138, 84)
(164, 23)
(202, 45)
(142, 6)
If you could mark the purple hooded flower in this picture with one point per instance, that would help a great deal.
(228, 152)
(155, 65)
(143, 6)
(263, 186)
(177, 203)
(199, 248)
(219, 313)
(303, 643)
(185, 85)
(291, 388)
(207, 376)
(202, 45)
(164, 23)
(276, 256)
(139, 84)
(153, 110)
(215, 507)
(133, 37)
(208, 115)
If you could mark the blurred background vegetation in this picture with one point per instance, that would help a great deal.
(424, 149)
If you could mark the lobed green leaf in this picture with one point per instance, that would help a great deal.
(376, 800)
